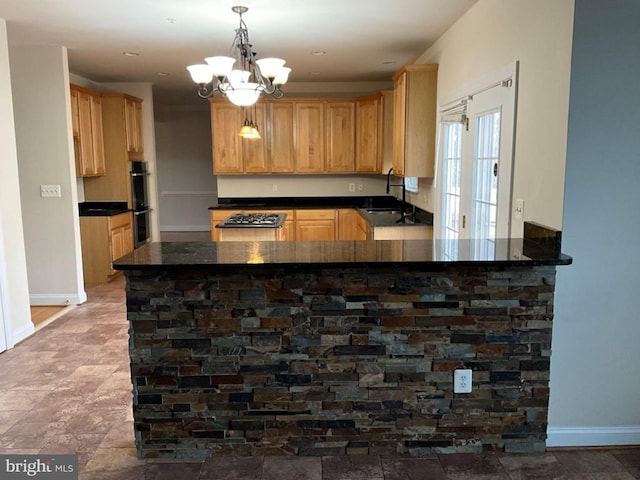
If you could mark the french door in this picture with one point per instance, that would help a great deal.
(476, 158)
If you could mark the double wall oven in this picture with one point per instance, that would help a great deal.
(140, 202)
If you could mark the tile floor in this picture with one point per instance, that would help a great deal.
(66, 389)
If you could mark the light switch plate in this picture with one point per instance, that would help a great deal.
(50, 191)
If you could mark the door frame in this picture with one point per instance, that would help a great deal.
(507, 73)
(5, 333)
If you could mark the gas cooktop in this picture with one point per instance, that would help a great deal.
(272, 220)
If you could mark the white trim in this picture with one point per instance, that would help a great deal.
(188, 193)
(42, 299)
(7, 342)
(23, 333)
(593, 436)
(185, 228)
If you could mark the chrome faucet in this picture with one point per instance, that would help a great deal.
(402, 218)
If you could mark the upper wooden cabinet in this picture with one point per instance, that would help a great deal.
(341, 136)
(115, 185)
(86, 117)
(414, 111)
(369, 124)
(233, 154)
(309, 135)
(281, 136)
(300, 135)
(133, 127)
(226, 121)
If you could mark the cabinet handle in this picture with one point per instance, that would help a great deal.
(464, 221)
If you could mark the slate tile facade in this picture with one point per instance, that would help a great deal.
(266, 360)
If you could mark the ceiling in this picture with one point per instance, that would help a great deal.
(363, 40)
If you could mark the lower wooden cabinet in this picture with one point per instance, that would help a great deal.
(315, 224)
(104, 239)
(326, 224)
(350, 225)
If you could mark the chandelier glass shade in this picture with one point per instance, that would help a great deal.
(240, 77)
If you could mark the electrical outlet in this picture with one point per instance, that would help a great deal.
(50, 191)
(360, 187)
(462, 381)
(274, 188)
(352, 187)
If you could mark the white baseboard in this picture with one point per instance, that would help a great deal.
(38, 299)
(185, 228)
(21, 334)
(593, 436)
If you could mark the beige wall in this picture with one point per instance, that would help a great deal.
(14, 288)
(45, 157)
(537, 34)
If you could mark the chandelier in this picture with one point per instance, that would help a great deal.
(240, 77)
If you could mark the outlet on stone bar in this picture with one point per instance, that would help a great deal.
(462, 381)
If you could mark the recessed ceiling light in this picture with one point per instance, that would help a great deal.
(130, 54)
(319, 52)
(162, 74)
(315, 74)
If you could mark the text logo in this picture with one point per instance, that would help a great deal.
(50, 467)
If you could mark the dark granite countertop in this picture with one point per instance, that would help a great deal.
(327, 253)
(421, 217)
(102, 209)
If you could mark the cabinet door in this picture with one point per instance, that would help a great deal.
(254, 150)
(399, 123)
(281, 139)
(97, 141)
(315, 230)
(117, 243)
(133, 126)
(415, 104)
(75, 124)
(348, 224)
(84, 163)
(139, 143)
(226, 121)
(364, 230)
(341, 119)
(310, 141)
(368, 134)
(316, 224)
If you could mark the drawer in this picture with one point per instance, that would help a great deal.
(318, 214)
(120, 220)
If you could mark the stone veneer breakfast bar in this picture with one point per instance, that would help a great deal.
(331, 348)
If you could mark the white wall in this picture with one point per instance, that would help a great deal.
(40, 84)
(13, 270)
(186, 184)
(595, 384)
(491, 35)
(301, 185)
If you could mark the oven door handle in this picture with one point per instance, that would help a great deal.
(140, 212)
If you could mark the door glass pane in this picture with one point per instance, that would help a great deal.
(452, 164)
(485, 191)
